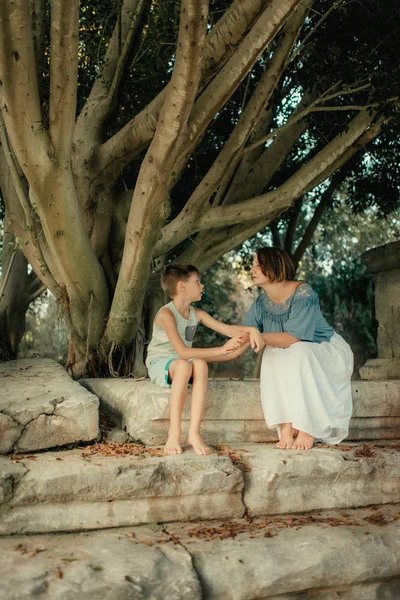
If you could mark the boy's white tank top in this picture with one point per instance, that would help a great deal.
(160, 346)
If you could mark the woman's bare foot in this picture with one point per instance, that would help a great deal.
(304, 441)
(286, 439)
(295, 432)
(173, 445)
(199, 445)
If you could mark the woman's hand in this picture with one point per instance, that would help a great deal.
(257, 341)
(233, 344)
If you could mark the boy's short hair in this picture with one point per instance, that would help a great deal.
(173, 274)
(276, 264)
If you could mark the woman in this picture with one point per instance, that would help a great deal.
(306, 366)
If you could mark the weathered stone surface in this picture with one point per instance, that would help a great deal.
(62, 491)
(385, 263)
(42, 407)
(116, 435)
(387, 589)
(308, 559)
(233, 413)
(270, 558)
(284, 481)
(97, 566)
(381, 368)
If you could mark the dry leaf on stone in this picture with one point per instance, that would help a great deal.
(69, 560)
(365, 452)
(59, 574)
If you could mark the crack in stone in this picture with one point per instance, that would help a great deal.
(24, 426)
(197, 572)
(14, 481)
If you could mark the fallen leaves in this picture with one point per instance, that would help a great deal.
(121, 449)
(22, 550)
(365, 452)
(270, 526)
(234, 456)
(17, 458)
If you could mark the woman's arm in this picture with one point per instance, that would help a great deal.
(256, 339)
(279, 340)
(166, 321)
(230, 356)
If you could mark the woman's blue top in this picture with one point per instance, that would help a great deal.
(299, 315)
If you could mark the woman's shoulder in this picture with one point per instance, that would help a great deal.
(305, 293)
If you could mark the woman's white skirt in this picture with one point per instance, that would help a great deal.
(308, 385)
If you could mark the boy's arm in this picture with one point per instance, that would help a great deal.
(166, 320)
(256, 337)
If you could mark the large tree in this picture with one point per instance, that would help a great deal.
(101, 186)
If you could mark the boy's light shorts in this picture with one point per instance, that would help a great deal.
(158, 370)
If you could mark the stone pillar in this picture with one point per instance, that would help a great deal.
(384, 262)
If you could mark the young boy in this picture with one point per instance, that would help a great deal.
(171, 360)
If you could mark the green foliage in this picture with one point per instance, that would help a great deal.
(225, 298)
(46, 331)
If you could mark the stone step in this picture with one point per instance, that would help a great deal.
(352, 555)
(233, 413)
(65, 491)
(42, 407)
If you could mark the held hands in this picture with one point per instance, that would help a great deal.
(233, 344)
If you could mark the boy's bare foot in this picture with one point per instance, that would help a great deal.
(295, 432)
(286, 439)
(304, 441)
(199, 445)
(173, 445)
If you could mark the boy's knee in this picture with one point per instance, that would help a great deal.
(184, 367)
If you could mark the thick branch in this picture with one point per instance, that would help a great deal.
(280, 199)
(38, 12)
(230, 153)
(63, 73)
(235, 70)
(150, 204)
(19, 96)
(221, 43)
(102, 96)
(20, 212)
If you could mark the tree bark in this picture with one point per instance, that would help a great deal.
(150, 204)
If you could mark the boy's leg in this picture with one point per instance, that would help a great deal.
(180, 371)
(198, 402)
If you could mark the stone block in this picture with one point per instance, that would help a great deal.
(112, 565)
(285, 481)
(233, 412)
(42, 407)
(63, 491)
(314, 560)
(329, 555)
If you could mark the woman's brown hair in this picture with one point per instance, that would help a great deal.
(276, 264)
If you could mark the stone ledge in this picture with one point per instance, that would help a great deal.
(42, 407)
(303, 560)
(380, 369)
(285, 481)
(233, 413)
(62, 491)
